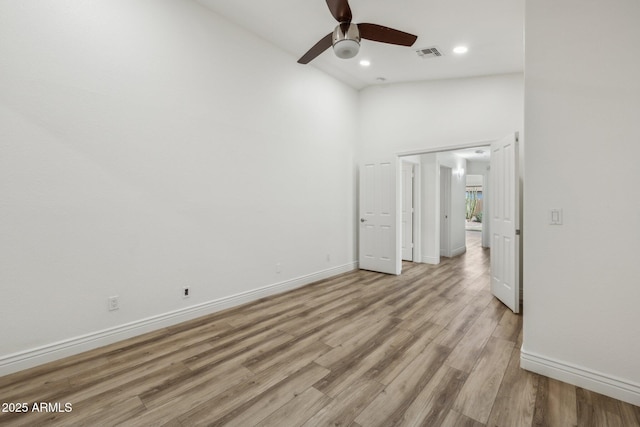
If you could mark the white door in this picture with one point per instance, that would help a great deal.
(379, 242)
(407, 211)
(505, 256)
(445, 211)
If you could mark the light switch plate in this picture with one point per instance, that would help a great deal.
(555, 216)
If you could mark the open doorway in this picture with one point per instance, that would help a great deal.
(474, 203)
(380, 188)
(440, 204)
(477, 194)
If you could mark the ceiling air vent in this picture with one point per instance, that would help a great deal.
(428, 52)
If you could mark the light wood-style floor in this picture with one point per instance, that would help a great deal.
(429, 348)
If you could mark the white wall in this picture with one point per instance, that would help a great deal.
(582, 286)
(430, 217)
(474, 180)
(457, 199)
(435, 114)
(141, 151)
(430, 209)
(477, 172)
(419, 116)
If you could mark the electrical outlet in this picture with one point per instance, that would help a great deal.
(113, 303)
(186, 292)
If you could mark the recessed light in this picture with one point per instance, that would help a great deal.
(365, 62)
(460, 49)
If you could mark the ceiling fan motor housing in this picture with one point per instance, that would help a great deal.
(346, 37)
(346, 44)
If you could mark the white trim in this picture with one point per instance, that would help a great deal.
(445, 185)
(47, 353)
(417, 211)
(582, 377)
(414, 255)
(445, 148)
(458, 251)
(431, 259)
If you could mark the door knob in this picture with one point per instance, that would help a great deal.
(362, 220)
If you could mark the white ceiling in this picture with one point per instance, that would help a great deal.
(476, 154)
(493, 30)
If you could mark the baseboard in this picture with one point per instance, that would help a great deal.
(458, 251)
(582, 377)
(37, 356)
(430, 259)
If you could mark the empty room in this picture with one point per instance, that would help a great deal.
(202, 216)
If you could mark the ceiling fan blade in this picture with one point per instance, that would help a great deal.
(324, 44)
(382, 34)
(340, 10)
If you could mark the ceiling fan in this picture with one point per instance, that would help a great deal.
(345, 38)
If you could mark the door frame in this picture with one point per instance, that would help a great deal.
(417, 253)
(446, 173)
(417, 191)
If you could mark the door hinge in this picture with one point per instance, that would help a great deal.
(517, 232)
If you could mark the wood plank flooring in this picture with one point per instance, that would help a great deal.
(431, 347)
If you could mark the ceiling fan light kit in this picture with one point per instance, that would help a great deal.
(346, 37)
(346, 44)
